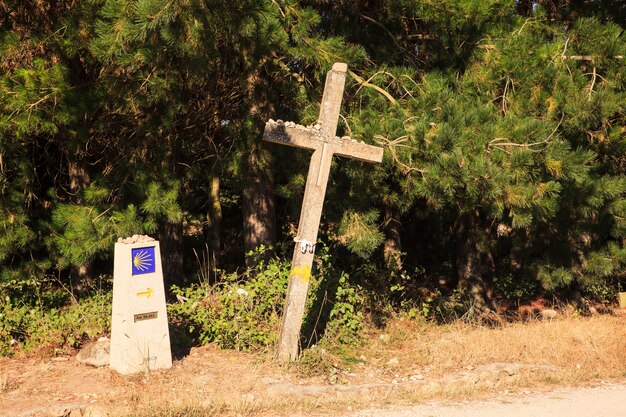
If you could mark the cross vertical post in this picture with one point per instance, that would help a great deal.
(322, 140)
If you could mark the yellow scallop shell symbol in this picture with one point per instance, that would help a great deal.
(142, 261)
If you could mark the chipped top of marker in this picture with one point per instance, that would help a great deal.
(135, 239)
(340, 67)
(272, 124)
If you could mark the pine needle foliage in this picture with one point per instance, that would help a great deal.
(503, 126)
(507, 151)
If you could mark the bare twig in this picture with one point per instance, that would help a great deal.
(499, 142)
(391, 145)
(69, 291)
(414, 82)
(345, 121)
(41, 100)
(593, 81)
(588, 57)
(565, 48)
(380, 25)
(279, 9)
(374, 86)
(147, 78)
(398, 142)
(101, 214)
(519, 31)
(503, 96)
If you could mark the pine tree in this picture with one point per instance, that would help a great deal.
(43, 127)
(504, 139)
(508, 156)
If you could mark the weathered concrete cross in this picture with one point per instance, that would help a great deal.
(321, 138)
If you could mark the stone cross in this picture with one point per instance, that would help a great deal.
(322, 140)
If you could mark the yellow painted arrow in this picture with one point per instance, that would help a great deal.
(148, 293)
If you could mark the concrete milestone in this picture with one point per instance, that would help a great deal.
(140, 339)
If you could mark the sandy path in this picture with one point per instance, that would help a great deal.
(603, 401)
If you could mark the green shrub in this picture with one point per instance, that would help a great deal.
(512, 287)
(57, 330)
(346, 316)
(238, 312)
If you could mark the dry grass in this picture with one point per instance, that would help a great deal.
(583, 347)
(4, 382)
(408, 362)
(267, 407)
(451, 360)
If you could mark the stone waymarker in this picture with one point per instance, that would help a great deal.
(140, 338)
(322, 140)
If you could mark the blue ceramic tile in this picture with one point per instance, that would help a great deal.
(144, 261)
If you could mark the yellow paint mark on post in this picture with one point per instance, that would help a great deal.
(148, 293)
(304, 272)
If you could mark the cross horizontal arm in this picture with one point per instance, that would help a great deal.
(288, 133)
(358, 150)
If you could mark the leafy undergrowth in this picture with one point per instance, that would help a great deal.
(38, 319)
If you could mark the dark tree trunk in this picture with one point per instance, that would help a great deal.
(215, 222)
(78, 177)
(258, 203)
(525, 7)
(77, 166)
(470, 267)
(259, 218)
(171, 242)
(81, 277)
(392, 250)
(171, 232)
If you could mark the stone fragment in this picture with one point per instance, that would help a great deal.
(95, 354)
(135, 239)
(548, 314)
(248, 397)
(95, 412)
(77, 412)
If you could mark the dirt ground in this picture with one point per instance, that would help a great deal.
(395, 372)
(43, 387)
(229, 383)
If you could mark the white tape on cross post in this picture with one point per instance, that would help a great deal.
(305, 244)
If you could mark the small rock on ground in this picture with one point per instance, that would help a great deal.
(95, 354)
